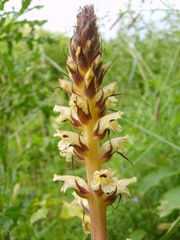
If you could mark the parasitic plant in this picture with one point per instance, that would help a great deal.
(90, 143)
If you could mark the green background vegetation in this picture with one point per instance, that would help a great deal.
(146, 68)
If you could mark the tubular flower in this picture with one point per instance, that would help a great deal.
(65, 113)
(104, 180)
(91, 143)
(73, 182)
(123, 183)
(68, 136)
(112, 146)
(72, 143)
(108, 122)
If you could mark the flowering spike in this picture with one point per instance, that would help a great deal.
(88, 104)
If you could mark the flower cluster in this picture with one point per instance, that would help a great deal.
(88, 113)
(104, 183)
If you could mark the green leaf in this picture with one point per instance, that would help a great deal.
(22, 231)
(6, 223)
(171, 230)
(25, 4)
(14, 213)
(138, 234)
(40, 214)
(2, 3)
(52, 201)
(169, 202)
(155, 177)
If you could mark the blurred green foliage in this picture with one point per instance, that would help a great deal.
(147, 71)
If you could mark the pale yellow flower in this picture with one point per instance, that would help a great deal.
(72, 143)
(122, 185)
(65, 113)
(114, 145)
(109, 122)
(104, 180)
(88, 104)
(68, 136)
(69, 181)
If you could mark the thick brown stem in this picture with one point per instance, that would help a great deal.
(98, 218)
(96, 203)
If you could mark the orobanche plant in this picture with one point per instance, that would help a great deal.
(90, 142)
